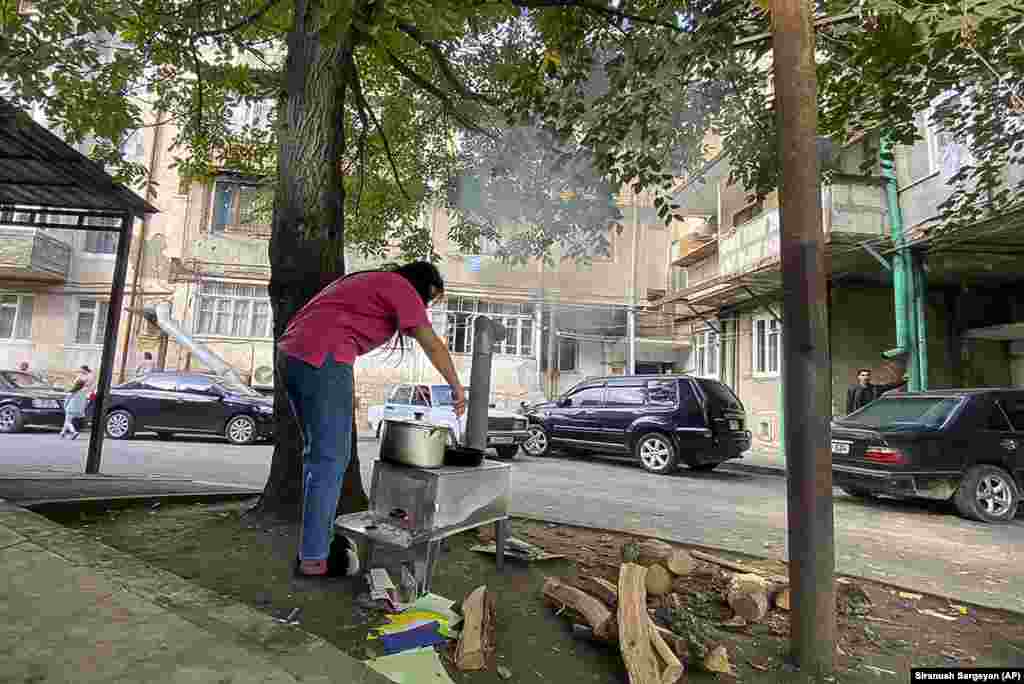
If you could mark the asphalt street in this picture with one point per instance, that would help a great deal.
(904, 543)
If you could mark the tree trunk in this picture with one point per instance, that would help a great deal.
(307, 239)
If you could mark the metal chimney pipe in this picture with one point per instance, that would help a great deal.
(486, 334)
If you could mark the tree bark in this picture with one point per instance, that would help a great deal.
(307, 238)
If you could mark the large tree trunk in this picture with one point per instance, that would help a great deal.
(307, 240)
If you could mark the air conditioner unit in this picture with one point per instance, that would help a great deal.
(263, 377)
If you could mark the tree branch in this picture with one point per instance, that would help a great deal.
(444, 65)
(596, 8)
(241, 23)
(366, 110)
(429, 87)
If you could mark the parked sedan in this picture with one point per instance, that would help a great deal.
(190, 403)
(966, 446)
(26, 400)
(658, 420)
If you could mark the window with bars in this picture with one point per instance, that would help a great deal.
(461, 312)
(767, 346)
(16, 316)
(705, 351)
(234, 310)
(91, 321)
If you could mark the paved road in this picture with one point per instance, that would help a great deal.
(903, 543)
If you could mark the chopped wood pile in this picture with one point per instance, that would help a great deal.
(644, 617)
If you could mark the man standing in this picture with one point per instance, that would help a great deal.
(863, 393)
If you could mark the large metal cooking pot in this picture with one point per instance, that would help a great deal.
(414, 443)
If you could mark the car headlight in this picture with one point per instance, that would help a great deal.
(45, 404)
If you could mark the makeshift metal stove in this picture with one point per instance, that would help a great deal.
(416, 500)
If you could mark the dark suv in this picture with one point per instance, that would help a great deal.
(660, 420)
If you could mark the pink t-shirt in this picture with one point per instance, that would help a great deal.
(352, 316)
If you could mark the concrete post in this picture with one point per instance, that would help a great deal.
(631, 326)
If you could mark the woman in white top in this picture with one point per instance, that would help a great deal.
(76, 401)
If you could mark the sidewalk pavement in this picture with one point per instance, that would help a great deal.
(75, 610)
(758, 462)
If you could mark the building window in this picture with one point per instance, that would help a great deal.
(234, 203)
(516, 318)
(100, 242)
(706, 354)
(234, 310)
(91, 322)
(680, 278)
(16, 316)
(568, 354)
(767, 346)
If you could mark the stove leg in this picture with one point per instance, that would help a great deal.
(433, 549)
(500, 535)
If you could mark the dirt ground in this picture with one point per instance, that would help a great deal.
(221, 549)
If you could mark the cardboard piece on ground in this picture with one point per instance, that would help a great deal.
(518, 549)
(420, 666)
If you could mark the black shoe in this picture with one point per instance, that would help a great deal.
(342, 559)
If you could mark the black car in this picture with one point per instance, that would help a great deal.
(660, 420)
(194, 403)
(26, 399)
(961, 445)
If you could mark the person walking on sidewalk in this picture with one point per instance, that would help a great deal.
(76, 401)
(350, 317)
(864, 392)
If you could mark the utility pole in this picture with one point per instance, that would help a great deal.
(633, 299)
(806, 388)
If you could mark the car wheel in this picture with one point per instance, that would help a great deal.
(507, 452)
(538, 443)
(703, 467)
(987, 494)
(120, 424)
(241, 430)
(657, 453)
(164, 436)
(11, 419)
(859, 493)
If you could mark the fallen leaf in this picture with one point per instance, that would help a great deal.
(909, 595)
(504, 672)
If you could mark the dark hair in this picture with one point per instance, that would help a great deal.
(422, 275)
(864, 370)
(147, 355)
(85, 368)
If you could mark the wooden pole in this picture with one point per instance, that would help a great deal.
(806, 388)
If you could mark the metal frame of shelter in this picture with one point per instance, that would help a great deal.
(43, 176)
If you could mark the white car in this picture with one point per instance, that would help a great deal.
(506, 430)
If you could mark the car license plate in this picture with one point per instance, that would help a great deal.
(734, 425)
(840, 447)
(502, 440)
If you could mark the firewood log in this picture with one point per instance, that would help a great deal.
(596, 613)
(476, 641)
(635, 626)
(747, 595)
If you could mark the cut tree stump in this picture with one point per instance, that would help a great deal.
(476, 642)
(596, 613)
(680, 562)
(635, 626)
(747, 595)
(601, 588)
(658, 580)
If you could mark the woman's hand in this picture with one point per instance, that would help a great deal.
(459, 397)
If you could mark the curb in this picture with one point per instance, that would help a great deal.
(776, 471)
(124, 501)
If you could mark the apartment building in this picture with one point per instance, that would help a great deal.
(726, 293)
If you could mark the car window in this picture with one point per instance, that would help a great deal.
(997, 418)
(1015, 412)
(21, 380)
(164, 383)
(442, 395)
(624, 396)
(719, 394)
(421, 397)
(196, 384)
(402, 395)
(591, 396)
(905, 412)
(663, 392)
(236, 388)
(689, 404)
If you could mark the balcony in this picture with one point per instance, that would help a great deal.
(29, 254)
(260, 231)
(852, 211)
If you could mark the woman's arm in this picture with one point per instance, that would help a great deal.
(436, 350)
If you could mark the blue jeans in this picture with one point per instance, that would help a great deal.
(321, 399)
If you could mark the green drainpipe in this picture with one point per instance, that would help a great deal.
(901, 274)
(921, 320)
